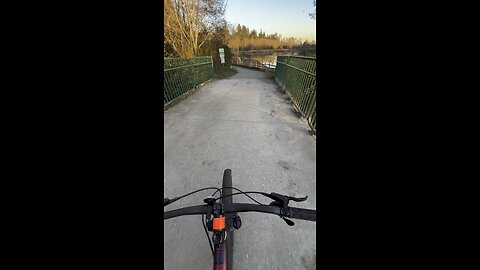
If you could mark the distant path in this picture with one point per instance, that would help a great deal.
(243, 123)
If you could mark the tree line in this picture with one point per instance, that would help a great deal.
(242, 38)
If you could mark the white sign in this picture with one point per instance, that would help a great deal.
(222, 55)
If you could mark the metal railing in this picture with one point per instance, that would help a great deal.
(297, 75)
(181, 75)
(254, 64)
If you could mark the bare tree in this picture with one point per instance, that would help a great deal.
(313, 15)
(189, 24)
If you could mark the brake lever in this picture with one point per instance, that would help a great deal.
(167, 201)
(301, 199)
(284, 200)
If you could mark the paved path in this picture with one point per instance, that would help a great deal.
(246, 124)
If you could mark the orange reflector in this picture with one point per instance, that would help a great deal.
(219, 223)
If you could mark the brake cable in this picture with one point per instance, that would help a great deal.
(282, 199)
(167, 201)
(208, 237)
(241, 192)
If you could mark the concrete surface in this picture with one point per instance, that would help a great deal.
(246, 124)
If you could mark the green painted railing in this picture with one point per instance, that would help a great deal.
(181, 75)
(297, 75)
(254, 64)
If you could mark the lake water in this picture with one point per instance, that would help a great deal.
(271, 58)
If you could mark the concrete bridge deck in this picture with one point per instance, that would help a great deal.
(244, 123)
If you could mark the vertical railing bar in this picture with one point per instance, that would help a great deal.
(167, 86)
(308, 80)
(303, 96)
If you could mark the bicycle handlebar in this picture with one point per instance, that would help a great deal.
(296, 213)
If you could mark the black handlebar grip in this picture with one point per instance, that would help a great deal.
(301, 213)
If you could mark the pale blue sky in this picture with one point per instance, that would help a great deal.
(288, 18)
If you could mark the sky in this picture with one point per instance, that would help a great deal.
(288, 18)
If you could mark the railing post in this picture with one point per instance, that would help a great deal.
(213, 70)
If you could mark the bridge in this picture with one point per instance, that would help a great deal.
(260, 125)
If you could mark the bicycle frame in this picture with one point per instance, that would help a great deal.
(219, 235)
(220, 258)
